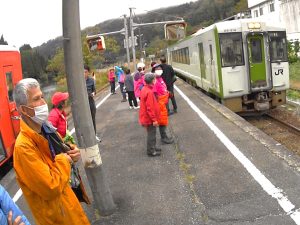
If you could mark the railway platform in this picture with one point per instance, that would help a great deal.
(220, 171)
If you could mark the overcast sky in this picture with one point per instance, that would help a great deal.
(37, 21)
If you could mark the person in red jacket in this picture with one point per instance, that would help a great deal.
(150, 114)
(58, 116)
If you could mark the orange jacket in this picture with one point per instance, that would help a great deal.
(45, 184)
(162, 101)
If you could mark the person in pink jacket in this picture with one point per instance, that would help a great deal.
(58, 116)
(162, 95)
(112, 81)
(139, 79)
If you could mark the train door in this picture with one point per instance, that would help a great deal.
(8, 115)
(202, 61)
(2, 150)
(212, 67)
(258, 71)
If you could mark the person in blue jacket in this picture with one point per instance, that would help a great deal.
(10, 214)
(121, 79)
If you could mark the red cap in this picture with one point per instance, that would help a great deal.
(59, 96)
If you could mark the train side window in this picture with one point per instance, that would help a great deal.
(278, 46)
(9, 84)
(181, 56)
(231, 45)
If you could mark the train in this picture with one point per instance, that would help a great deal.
(241, 63)
(10, 74)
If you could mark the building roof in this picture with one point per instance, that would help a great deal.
(8, 48)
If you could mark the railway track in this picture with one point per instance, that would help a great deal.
(287, 125)
(280, 127)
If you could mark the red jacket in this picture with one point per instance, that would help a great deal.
(59, 121)
(149, 108)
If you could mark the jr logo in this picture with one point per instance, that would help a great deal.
(280, 71)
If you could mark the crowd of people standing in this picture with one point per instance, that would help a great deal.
(45, 155)
(153, 90)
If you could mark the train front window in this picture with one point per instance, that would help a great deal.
(256, 50)
(231, 49)
(278, 46)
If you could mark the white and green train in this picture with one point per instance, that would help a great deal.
(243, 63)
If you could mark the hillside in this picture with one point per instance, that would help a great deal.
(196, 14)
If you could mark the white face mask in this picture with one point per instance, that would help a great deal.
(41, 114)
(158, 72)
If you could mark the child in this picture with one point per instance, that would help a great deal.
(129, 86)
(149, 114)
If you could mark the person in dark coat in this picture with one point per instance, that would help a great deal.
(169, 78)
(91, 90)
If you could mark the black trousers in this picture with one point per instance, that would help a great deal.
(131, 98)
(151, 138)
(112, 87)
(163, 131)
(172, 98)
(93, 111)
(122, 90)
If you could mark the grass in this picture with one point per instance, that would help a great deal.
(101, 81)
(295, 75)
(293, 94)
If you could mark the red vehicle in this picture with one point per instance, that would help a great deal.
(10, 74)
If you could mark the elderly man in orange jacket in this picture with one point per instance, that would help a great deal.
(43, 176)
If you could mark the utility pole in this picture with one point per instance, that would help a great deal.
(80, 109)
(127, 41)
(132, 40)
(140, 38)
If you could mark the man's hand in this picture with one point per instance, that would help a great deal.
(155, 123)
(17, 220)
(74, 153)
(68, 157)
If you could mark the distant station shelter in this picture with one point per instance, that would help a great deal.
(281, 11)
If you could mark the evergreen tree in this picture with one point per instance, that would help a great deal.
(2, 41)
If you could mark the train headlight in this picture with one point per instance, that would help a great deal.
(254, 26)
(257, 25)
(250, 25)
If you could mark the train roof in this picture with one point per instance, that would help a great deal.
(6, 48)
(237, 25)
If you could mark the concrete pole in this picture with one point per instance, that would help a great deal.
(127, 41)
(140, 39)
(80, 109)
(132, 40)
